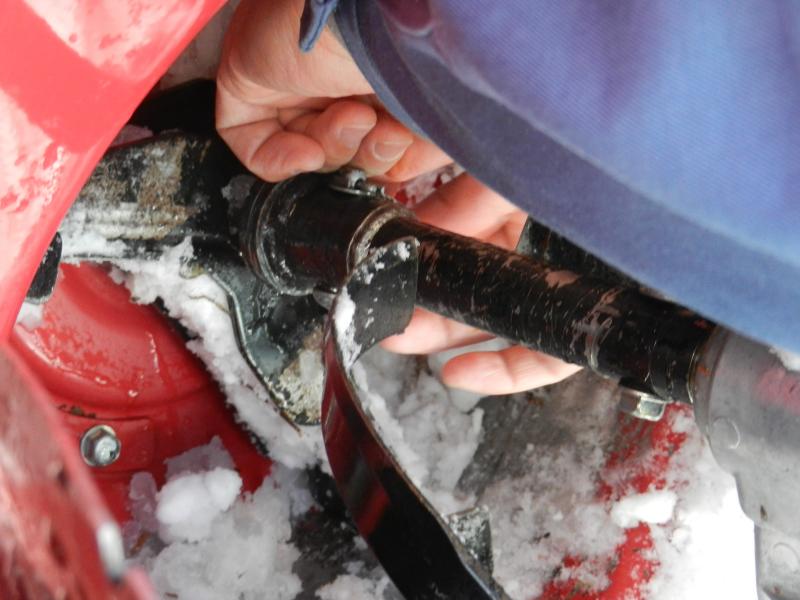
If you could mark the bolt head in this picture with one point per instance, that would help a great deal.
(100, 446)
(641, 405)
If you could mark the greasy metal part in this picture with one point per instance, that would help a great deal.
(313, 230)
(155, 193)
(641, 405)
(280, 336)
(329, 543)
(545, 245)
(473, 528)
(616, 331)
(354, 181)
(303, 237)
(308, 232)
(45, 279)
(100, 446)
(422, 555)
(748, 405)
(159, 190)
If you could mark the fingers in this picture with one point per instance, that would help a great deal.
(467, 207)
(507, 235)
(508, 371)
(383, 147)
(286, 154)
(421, 157)
(340, 130)
(428, 332)
(272, 153)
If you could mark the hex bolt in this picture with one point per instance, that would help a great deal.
(641, 404)
(100, 446)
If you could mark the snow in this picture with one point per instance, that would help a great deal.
(201, 306)
(547, 506)
(213, 543)
(246, 554)
(351, 587)
(30, 315)
(707, 549)
(654, 507)
(420, 419)
(344, 312)
(187, 505)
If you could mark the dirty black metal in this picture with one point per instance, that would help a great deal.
(419, 551)
(305, 233)
(188, 107)
(473, 528)
(45, 279)
(613, 329)
(545, 245)
(155, 193)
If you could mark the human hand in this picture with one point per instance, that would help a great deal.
(284, 112)
(467, 207)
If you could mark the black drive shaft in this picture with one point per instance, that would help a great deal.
(309, 235)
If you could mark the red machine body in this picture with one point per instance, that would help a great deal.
(71, 73)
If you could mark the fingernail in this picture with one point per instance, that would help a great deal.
(350, 137)
(390, 151)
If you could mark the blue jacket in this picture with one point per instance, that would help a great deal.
(661, 135)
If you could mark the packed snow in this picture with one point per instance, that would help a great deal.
(188, 505)
(205, 541)
(654, 507)
(351, 587)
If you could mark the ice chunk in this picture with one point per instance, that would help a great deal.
(650, 507)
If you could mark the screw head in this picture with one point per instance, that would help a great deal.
(100, 446)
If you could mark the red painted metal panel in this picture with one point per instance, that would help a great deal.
(105, 360)
(71, 73)
(50, 513)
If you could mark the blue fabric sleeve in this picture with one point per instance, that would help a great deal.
(661, 135)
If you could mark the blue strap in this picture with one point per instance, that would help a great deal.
(315, 16)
